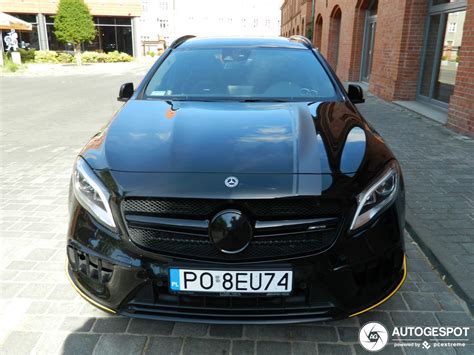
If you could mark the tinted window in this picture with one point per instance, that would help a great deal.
(241, 73)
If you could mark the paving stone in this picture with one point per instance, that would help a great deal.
(164, 346)
(40, 254)
(77, 324)
(376, 316)
(455, 319)
(38, 307)
(334, 349)
(348, 334)
(303, 348)
(389, 349)
(433, 286)
(20, 342)
(243, 347)
(76, 344)
(111, 325)
(21, 265)
(62, 292)
(449, 302)
(394, 303)
(268, 331)
(421, 302)
(409, 286)
(429, 276)
(414, 318)
(119, 344)
(152, 327)
(190, 329)
(466, 350)
(50, 343)
(440, 351)
(39, 323)
(314, 333)
(206, 346)
(7, 275)
(10, 290)
(273, 347)
(226, 331)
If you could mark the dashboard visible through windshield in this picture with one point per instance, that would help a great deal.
(241, 73)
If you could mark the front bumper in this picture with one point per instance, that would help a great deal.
(356, 274)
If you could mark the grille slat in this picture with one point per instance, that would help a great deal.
(278, 208)
(192, 244)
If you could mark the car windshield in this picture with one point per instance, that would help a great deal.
(242, 73)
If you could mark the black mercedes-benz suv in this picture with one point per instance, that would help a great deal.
(237, 184)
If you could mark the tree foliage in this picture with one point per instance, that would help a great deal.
(73, 22)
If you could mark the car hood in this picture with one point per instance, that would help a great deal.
(152, 136)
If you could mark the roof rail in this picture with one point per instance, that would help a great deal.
(177, 42)
(301, 39)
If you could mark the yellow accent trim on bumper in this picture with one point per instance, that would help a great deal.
(391, 294)
(83, 295)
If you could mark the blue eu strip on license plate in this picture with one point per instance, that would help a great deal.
(231, 281)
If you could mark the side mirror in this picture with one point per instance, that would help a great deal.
(356, 94)
(126, 92)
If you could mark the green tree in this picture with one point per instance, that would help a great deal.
(73, 24)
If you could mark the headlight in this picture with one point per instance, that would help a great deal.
(91, 193)
(371, 201)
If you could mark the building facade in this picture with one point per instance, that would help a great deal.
(406, 50)
(170, 19)
(115, 23)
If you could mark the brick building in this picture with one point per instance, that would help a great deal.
(419, 53)
(115, 22)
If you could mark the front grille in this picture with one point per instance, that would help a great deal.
(197, 246)
(149, 226)
(206, 208)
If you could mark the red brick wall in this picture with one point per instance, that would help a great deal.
(351, 35)
(317, 32)
(397, 49)
(461, 104)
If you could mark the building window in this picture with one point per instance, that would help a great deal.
(112, 34)
(441, 56)
(26, 39)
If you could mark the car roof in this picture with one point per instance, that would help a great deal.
(221, 42)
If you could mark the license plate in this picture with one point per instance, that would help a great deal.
(231, 281)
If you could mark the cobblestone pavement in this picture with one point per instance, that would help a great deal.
(45, 121)
(438, 166)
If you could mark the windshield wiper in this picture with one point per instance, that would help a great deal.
(262, 100)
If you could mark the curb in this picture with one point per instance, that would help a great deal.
(438, 265)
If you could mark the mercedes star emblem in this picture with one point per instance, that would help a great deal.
(231, 182)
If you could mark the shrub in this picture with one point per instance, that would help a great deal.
(65, 58)
(93, 57)
(27, 55)
(46, 57)
(115, 56)
(151, 54)
(87, 57)
(10, 66)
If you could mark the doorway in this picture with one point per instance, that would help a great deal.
(440, 58)
(369, 39)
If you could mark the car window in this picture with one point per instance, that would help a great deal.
(241, 73)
